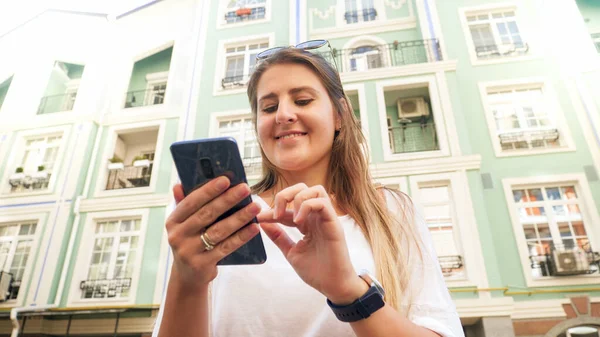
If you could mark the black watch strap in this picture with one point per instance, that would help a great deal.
(361, 308)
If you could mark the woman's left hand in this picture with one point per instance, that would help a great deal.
(321, 258)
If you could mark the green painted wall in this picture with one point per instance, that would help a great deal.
(149, 268)
(54, 99)
(156, 63)
(4, 89)
(590, 11)
(69, 276)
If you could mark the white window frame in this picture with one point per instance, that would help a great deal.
(359, 9)
(554, 110)
(217, 117)
(464, 227)
(359, 89)
(361, 41)
(109, 150)
(222, 61)
(523, 31)
(439, 117)
(589, 213)
(16, 156)
(152, 80)
(222, 23)
(23, 218)
(84, 256)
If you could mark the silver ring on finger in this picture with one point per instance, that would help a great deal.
(208, 243)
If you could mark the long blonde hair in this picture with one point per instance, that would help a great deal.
(349, 178)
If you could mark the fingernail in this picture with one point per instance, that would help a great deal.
(222, 183)
(253, 209)
(243, 191)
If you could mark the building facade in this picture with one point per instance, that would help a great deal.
(487, 113)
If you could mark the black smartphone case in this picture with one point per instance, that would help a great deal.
(226, 161)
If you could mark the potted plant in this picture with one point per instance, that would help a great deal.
(243, 11)
(41, 173)
(17, 177)
(116, 163)
(395, 44)
(140, 161)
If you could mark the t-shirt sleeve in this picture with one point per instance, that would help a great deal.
(429, 304)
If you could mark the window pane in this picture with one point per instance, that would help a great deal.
(568, 192)
(519, 196)
(579, 229)
(553, 193)
(544, 231)
(535, 194)
(563, 228)
(435, 194)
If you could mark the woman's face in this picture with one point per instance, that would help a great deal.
(296, 120)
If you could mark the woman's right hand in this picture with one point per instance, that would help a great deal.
(194, 265)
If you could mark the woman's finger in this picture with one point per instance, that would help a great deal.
(317, 205)
(232, 243)
(308, 193)
(226, 227)
(198, 198)
(178, 193)
(278, 236)
(284, 197)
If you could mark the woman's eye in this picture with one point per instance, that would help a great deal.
(270, 109)
(303, 102)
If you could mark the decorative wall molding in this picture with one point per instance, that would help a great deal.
(400, 71)
(424, 166)
(125, 202)
(393, 4)
(323, 15)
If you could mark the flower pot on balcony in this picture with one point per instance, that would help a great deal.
(243, 11)
(142, 163)
(16, 179)
(116, 166)
(39, 175)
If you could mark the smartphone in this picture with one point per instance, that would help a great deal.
(201, 160)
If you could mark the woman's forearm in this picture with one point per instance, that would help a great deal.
(186, 311)
(387, 322)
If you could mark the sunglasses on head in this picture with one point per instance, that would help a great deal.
(307, 45)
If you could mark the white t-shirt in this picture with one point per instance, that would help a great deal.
(271, 299)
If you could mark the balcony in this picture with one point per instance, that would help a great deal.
(396, 54)
(132, 161)
(145, 97)
(129, 177)
(21, 182)
(529, 139)
(565, 261)
(501, 50)
(451, 264)
(9, 286)
(232, 82)
(245, 14)
(105, 288)
(596, 39)
(413, 137)
(56, 103)
(364, 15)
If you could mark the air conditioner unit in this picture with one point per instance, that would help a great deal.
(570, 262)
(5, 280)
(412, 107)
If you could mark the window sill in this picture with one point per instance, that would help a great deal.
(477, 62)
(556, 281)
(503, 154)
(90, 301)
(223, 25)
(125, 191)
(223, 92)
(47, 191)
(414, 155)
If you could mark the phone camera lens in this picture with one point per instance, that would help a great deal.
(207, 168)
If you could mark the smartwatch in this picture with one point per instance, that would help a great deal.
(363, 307)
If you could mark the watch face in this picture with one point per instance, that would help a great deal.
(372, 281)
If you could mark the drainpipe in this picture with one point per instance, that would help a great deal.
(14, 315)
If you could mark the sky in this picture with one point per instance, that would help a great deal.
(16, 12)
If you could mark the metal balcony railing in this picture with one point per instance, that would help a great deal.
(13, 290)
(104, 288)
(144, 97)
(236, 16)
(450, 264)
(563, 260)
(596, 39)
(56, 103)
(529, 139)
(129, 177)
(501, 50)
(413, 137)
(20, 183)
(384, 56)
(366, 14)
(232, 82)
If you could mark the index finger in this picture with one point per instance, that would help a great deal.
(199, 197)
(284, 197)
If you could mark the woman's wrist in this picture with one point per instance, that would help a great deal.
(347, 294)
(187, 285)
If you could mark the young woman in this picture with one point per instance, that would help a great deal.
(326, 222)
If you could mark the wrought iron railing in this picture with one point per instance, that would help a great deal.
(501, 50)
(13, 290)
(56, 103)
(366, 14)
(255, 14)
(450, 264)
(386, 55)
(144, 97)
(104, 288)
(413, 137)
(237, 81)
(129, 177)
(528, 139)
(566, 261)
(596, 39)
(22, 182)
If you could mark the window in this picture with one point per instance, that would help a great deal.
(16, 240)
(243, 131)
(495, 34)
(239, 63)
(114, 254)
(596, 40)
(360, 11)
(37, 164)
(245, 10)
(61, 90)
(551, 217)
(132, 160)
(366, 57)
(439, 213)
(522, 118)
(155, 94)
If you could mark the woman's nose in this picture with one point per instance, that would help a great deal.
(286, 113)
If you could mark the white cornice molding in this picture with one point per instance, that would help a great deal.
(425, 166)
(400, 71)
(372, 27)
(125, 202)
(502, 306)
(539, 309)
